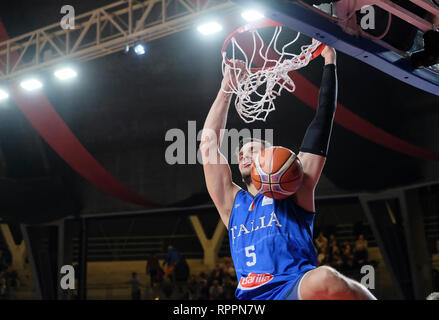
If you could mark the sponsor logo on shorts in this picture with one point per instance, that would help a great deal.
(254, 280)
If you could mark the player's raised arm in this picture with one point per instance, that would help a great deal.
(316, 141)
(217, 172)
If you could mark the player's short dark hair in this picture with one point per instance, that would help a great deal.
(243, 141)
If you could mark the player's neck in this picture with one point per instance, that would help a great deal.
(252, 190)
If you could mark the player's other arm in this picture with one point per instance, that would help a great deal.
(316, 141)
(217, 172)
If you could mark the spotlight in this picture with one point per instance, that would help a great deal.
(65, 73)
(31, 84)
(3, 95)
(139, 49)
(209, 28)
(252, 15)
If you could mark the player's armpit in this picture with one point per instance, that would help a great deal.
(304, 198)
(218, 179)
(312, 169)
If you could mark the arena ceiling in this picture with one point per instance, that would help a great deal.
(121, 107)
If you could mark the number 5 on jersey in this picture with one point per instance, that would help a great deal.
(250, 254)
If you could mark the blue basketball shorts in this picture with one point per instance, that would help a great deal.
(294, 293)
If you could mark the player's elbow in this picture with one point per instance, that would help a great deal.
(206, 144)
(209, 139)
(208, 149)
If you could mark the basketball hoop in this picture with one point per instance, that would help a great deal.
(264, 73)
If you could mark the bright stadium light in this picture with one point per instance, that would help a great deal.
(31, 84)
(209, 28)
(65, 73)
(3, 95)
(252, 15)
(139, 49)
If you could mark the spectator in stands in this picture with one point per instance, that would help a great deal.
(332, 240)
(11, 277)
(154, 270)
(347, 256)
(335, 259)
(320, 241)
(4, 289)
(360, 252)
(193, 287)
(204, 286)
(216, 291)
(168, 288)
(217, 274)
(322, 254)
(171, 259)
(181, 272)
(229, 287)
(361, 243)
(229, 269)
(135, 287)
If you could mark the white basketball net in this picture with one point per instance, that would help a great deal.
(250, 104)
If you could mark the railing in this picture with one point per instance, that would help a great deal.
(101, 32)
(138, 247)
(130, 247)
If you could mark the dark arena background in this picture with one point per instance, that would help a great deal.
(94, 188)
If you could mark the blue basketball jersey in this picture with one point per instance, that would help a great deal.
(271, 242)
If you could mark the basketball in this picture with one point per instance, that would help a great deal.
(277, 172)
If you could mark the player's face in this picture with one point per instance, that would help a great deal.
(246, 155)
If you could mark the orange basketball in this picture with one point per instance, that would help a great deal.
(277, 172)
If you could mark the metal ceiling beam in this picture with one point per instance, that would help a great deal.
(101, 32)
(385, 194)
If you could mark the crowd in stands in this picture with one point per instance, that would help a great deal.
(172, 279)
(341, 256)
(175, 281)
(220, 284)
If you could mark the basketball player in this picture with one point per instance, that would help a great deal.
(271, 240)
